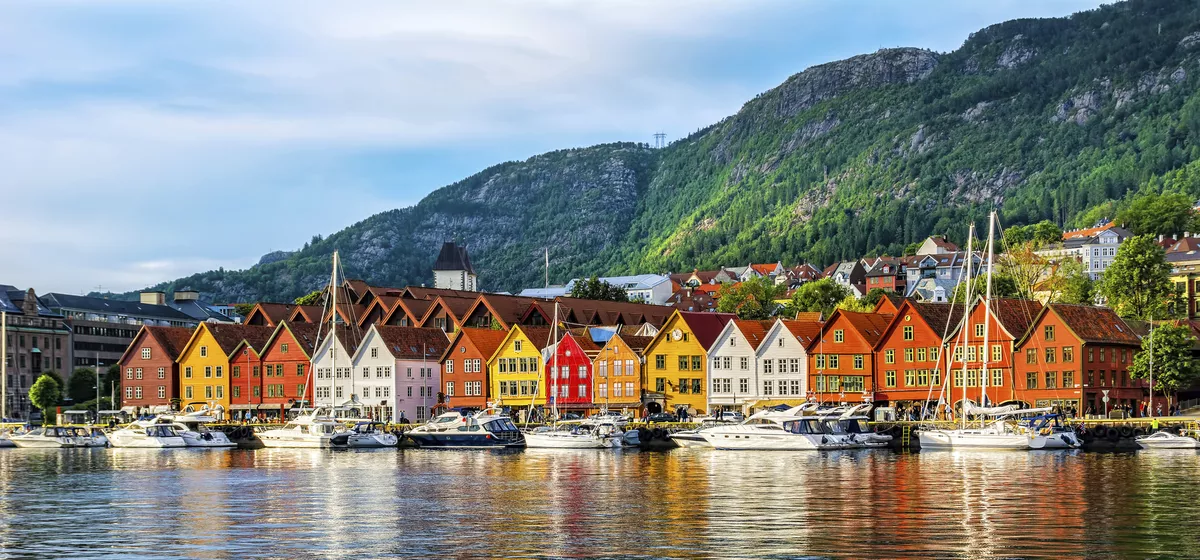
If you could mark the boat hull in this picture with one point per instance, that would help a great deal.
(693, 439)
(1175, 442)
(294, 442)
(762, 442)
(948, 439)
(371, 441)
(560, 441)
(42, 443)
(147, 443)
(463, 441)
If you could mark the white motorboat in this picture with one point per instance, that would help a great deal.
(997, 435)
(366, 435)
(146, 435)
(574, 438)
(310, 431)
(89, 437)
(797, 434)
(486, 428)
(191, 427)
(45, 437)
(1167, 440)
(1046, 431)
(690, 438)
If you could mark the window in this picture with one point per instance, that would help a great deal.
(660, 361)
(128, 373)
(582, 372)
(129, 392)
(732, 341)
(889, 356)
(145, 353)
(958, 378)
(958, 353)
(908, 332)
(697, 363)
(1050, 356)
(137, 373)
(839, 335)
(1124, 356)
(1031, 355)
(920, 354)
(853, 384)
(449, 388)
(683, 363)
(254, 371)
(745, 363)
(768, 367)
(203, 351)
(996, 353)
(972, 378)
(208, 391)
(908, 354)
(235, 371)
(374, 352)
(997, 377)
(922, 377)
(1102, 349)
(629, 367)
(162, 373)
(583, 391)
(187, 392)
(831, 383)
(256, 390)
(603, 369)
(833, 361)
(820, 359)
(516, 345)
(728, 361)
(820, 383)
(858, 361)
(221, 392)
(660, 384)
(1091, 355)
(208, 371)
(979, 329)
(744, 385)
(220, 371)
(970, 353)
(684, 386)
(629, 389)
(910, 377)
(1031, 380)
(780, 343)
(1051, 380)
(768, 388)
(283, 348)
(1068, 379)
(1048, 333)
(162, 391)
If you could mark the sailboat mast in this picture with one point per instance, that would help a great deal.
(987, 312)
(967, 323)
(4, 367)
(1151, 407)
(333, 290)
(554, 371)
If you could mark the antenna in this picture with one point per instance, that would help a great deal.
(660, 140)
(547, 268)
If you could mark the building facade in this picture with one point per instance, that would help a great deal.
(620, 374)
(465, 367)
(453, 271)
(35, 340)
(399, 372)
(677, 359)
(287, 374)
(842, 359)
(571, 385)
(909, 354)
(784, 353)
(733, 366)
(149, 374)
(517, 367)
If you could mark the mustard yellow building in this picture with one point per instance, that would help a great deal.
(676, 362)
(204, 362)
(517, 369)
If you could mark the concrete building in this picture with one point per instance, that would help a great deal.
(104, 327)
(36, 340)
(453, 269)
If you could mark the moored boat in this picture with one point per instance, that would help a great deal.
(192, 428)
(309, 431)
(1167, 440)
(366, 435)
(89, 437)
(484, 429)
(45, 437)
(146, 435)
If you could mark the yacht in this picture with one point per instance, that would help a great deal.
(311, 431)
(366, 435)
(45, 437)
(1046, 431)
(1167, 440)
(89, 437)
(146, 434)
(764, 433)
(850, 424)
(191, 427)
(592, 433)
(486, 428)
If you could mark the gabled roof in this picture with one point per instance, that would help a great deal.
(230, 336)
(705, 326)
(271, 313)
(306, 314)
(305, 334)
(412, 343)
(381, 306)
(456, 307)
(486, 341)
(705, 276)
(1185, 244)
(422, 292)
(764, 269)
(809, 316)
(507, 310)
(415, 309)
(940, 242)
(635, 343)
(934, 315)
(754, 331)
(601, 312)
(869, 326)
(171, 339)
(1015, 315)
(804, 331)
(1092, 324)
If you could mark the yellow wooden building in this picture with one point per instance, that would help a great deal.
(204, 362)
(676, 364)
(517, 369)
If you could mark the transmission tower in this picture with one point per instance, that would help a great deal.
(660, 139)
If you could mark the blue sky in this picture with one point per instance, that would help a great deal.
(146, 140)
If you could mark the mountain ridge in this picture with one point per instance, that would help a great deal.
(1045, 118)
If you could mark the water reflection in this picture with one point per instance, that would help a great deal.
(555, 503)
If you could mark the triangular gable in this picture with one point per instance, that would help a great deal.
(196, 334)
(142, 333)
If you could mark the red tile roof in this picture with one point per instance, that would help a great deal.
(754, 331)
(1015, 315)
(1087, 232)
(809, 316)
(484, 340)
(272, 312)
(635, 343)
(706, 326)
(305, 334)
(228, 336)
(804, 331)
(941, 242)
(1095, 324)
(172, 339)
(763, 269)
(539, 336)
(407, 342)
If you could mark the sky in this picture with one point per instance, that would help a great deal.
(142, 141)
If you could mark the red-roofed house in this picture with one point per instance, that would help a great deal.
(677, 359)
(571, 385)
(1010, 320)
(151, 376)
(732, 364)
(464, 366)
(841, 359)
(397, 373)
(909, 352)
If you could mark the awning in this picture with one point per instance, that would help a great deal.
(243, 407)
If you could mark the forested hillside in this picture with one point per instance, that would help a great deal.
(1060, 119)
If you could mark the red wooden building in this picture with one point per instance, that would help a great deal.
(1073, 354)
(1010, 319)
(573, 357)
(464, 366)
(286, 359)
(907, 355)
(150, 376)
(841, 361)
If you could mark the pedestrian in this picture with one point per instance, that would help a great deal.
(1154, 425)
(1159, 409)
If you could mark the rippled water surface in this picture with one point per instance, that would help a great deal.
(586, 503)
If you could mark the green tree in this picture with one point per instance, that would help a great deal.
(82, 385)
(752, 299)
(873, 296)
(243, 309)
(45, 394)
(1158, 214)
(851, 303)
(1003, 286)
(911, 248)
(1045, 232)
(1138, 282)
(313, 298)
(1174, 367)
(595, 288)
(1077, 285)
(817, 296)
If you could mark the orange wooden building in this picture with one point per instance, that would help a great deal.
(909, 351)
(841, 361)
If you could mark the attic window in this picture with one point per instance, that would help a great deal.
(781, 342)
(283, 348)
(516, 345)
(203, 351)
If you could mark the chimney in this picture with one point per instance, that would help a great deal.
(186, 294)
(154, 298)
(30, 305)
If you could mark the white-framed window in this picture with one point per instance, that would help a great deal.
(582, 391)
(629, 389)
(162, 391)
(162, 373)
(203, 351)
(745, 363)
(449, 388)
(582, 372)
(616, 390)
(449, 366)
(129, 392)
(128, 373)
(366, 372)
(137, 373)
(146, 353)
(374, 352)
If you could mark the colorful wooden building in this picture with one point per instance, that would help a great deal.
(1074, 355)
(842, 360)
(909, 354)
(516, 369)
(150, 378)
(733, 365)
(571, 385)
(783, 361)
(397, 372)
(1010, 319)
(619, 378)
(286, 358)
(465, 367)
(204, 363)
(677, 359)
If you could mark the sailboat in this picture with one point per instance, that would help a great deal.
(995, 430)
(576, 437)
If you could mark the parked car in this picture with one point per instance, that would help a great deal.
(662, 417)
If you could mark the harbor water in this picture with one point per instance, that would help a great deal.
(595, 503)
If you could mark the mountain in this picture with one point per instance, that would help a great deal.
(1044, 118)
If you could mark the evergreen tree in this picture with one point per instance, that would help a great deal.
(45, 394)
(1138, 282)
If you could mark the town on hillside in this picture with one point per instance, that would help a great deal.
(885, 330)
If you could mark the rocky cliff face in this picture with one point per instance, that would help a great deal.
(1044, 119)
